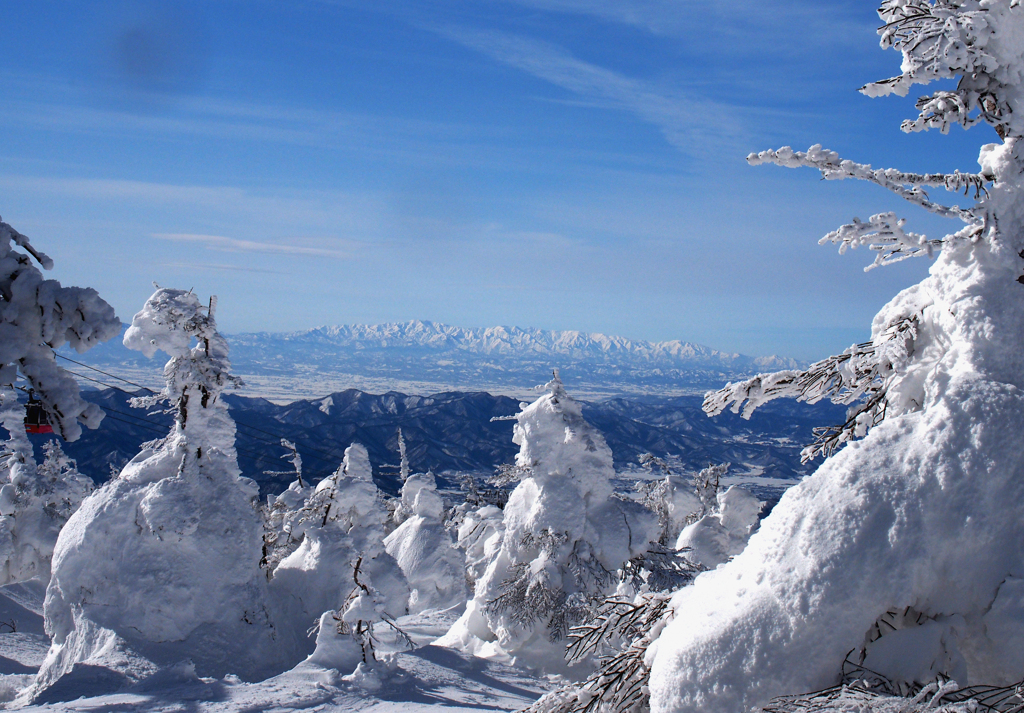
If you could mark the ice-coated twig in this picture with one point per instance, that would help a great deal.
(908, 186)
(861, 373)
(884, 234)
(621, 681)
(946, 39)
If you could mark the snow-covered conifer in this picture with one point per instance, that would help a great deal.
(339, 574)
(36, 317)
(677, 500)
(163, 562)
(915, 505)
(39, 316)
(424, 550)
(564, 539)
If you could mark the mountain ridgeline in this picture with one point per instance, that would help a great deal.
(492, 359)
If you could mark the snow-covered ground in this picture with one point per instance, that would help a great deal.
(427, 678)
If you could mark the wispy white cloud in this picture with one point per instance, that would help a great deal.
(226, 268)
(757, 22)
(225, 244)
(346, 219)
(690, 122)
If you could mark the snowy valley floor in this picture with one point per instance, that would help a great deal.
(428, 678)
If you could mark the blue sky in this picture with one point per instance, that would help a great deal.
(563, 164)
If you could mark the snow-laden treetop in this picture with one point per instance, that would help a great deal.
(172, 321)
(979, 42)
(38, 316)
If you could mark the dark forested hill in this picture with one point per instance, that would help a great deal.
(454, 432)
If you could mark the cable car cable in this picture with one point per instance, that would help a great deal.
(116, 388)
(334, 457)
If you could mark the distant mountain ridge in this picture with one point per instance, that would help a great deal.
(514, 341)
(422, 357)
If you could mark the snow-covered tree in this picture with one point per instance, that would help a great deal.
(163, 561)
(423, 548)
(916, 503)
(35, 502)
(36, 317)
(678, 501)
(564, 539)
(722, 531)
(339, 574)
(479, 529)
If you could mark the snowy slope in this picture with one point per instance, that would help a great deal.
(427, 679)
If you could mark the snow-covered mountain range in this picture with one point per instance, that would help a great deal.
(510, 343)
(429, 357)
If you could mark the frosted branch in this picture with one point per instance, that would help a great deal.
(948, 39)
(8, 233)
(863, 373)
(884, 234)
(909, 186)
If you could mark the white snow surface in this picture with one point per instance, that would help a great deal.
(433, 566)
(922, 513)
(428, 679)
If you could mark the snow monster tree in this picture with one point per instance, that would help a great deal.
(37, 316)
(565, 538)
(161, 564)
(913, 520)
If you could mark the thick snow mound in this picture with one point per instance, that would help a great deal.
(911, 516)
(722, 534)
(433, 566)
(163, 561)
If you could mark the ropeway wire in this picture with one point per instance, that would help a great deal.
(324, 455)
(156, 427)
(105, 373)
(333, 456)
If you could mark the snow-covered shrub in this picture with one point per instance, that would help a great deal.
(564, 539)
(423, 548)
(339, 566)
(479, 531)
(163, 561)
(723, 532)
(36, 317)
(676, 500)
(917, 505)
